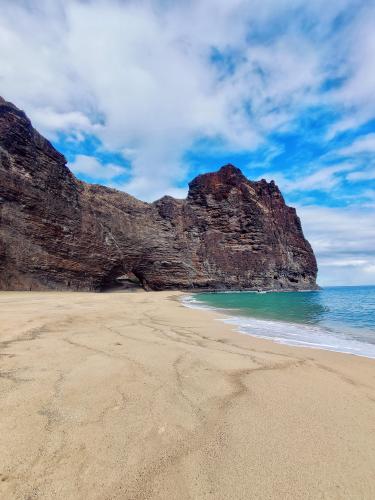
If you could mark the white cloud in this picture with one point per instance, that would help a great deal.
(355, 52)
(365, 174)
(363, 144)
(343, 240)
(71, 122)
(322, 179)
(89, 165)
(362, 150)
(370, 269)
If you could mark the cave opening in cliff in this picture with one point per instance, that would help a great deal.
(118, 279)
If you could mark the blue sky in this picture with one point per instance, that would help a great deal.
(144, 95)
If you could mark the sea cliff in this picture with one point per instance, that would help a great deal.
(57, 232)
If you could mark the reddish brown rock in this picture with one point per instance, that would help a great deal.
(57, 232)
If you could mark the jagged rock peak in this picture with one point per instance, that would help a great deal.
(226, 177)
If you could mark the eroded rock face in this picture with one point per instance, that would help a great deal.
(57, 232)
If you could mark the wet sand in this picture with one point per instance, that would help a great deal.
(134, 396)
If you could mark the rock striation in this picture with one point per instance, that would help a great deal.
(57, 232)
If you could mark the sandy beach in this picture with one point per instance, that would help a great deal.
(134, 396)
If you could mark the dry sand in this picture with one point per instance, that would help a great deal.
(134, 396)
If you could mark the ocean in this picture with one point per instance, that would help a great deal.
(334, 318)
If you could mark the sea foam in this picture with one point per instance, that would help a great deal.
(283, 332)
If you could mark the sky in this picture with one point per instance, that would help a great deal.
(144, 95)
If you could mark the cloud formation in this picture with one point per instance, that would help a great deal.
(156, 76)
(342, 259)
(89, 166)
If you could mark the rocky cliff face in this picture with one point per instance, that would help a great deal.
(57, 232)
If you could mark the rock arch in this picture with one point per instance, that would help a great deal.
(119, 278)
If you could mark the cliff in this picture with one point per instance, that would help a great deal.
(57, 232)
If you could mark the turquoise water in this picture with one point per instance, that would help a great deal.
(335, 318)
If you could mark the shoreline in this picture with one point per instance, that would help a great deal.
(235, 321)
(135, 396)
